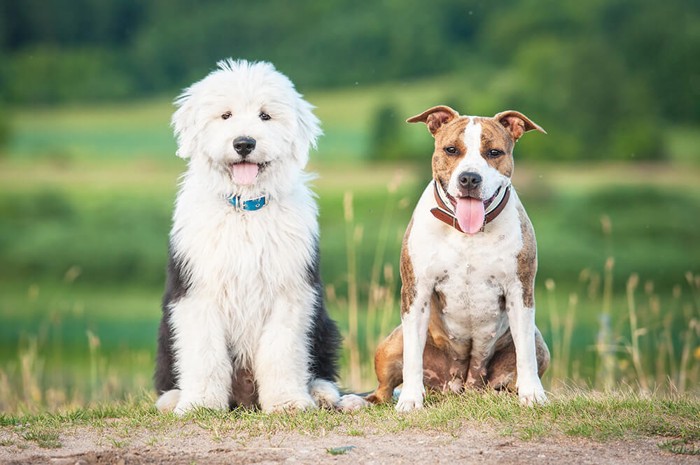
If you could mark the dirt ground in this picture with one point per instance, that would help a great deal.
(193, 445)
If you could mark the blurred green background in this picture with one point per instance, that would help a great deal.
(88, 172)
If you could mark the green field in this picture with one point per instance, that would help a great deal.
(85, 203)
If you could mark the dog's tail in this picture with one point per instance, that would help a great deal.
(327, 395)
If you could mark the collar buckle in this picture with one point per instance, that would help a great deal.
(249, 205)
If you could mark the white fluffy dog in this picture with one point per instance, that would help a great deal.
(244, 322)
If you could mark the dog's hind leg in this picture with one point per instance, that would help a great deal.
(243, 389)
(388, 365)
(502, 373)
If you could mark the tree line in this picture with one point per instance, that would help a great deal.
(606, 71)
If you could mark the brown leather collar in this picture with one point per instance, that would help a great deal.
(445, 212)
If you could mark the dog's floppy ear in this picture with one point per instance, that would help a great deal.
(184, 125)
(435, 117)
(309, 129)
(516, 123)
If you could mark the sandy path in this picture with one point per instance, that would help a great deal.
(190, 444)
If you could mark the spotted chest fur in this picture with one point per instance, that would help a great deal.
(471, 273)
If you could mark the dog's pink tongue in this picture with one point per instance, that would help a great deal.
(470, 214)
(244, 173)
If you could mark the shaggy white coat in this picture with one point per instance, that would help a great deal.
(247, 267)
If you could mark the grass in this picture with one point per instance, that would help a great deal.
(104, 278)
(130, 131)
(596, 416)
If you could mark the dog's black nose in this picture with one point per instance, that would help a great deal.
(469, 180)
(243, 145)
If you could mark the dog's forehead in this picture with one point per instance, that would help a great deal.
(489, 130)
(245, 89)
(494, 132)
(454, 130)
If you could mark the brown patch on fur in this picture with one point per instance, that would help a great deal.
(442, 371)
(243, 389)
(437, 332)
(502, 372)
(408, 277)
(436, 328)
(527, 259)
(494, 136)
(445, 362)
(451, 135)
(388, 365)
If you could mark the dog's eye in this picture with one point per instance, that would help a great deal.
(226, 115)
(452, 150)
(494, 153)
(264, 116)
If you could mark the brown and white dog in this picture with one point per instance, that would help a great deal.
(468, 265)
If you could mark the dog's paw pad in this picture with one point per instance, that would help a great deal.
(350, 402)
(293, 405)
(533, 397)
(408, 404)
(168, 401)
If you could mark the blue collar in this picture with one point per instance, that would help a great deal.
(247, 205)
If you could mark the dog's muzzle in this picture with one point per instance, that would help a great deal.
(469, 181)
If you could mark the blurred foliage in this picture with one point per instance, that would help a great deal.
(601, 76)
(117, 240)
(4, 128)
(386, 138)
(122, 237)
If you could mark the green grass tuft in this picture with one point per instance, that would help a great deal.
(686, 446)
(339, 450)
(590, 415)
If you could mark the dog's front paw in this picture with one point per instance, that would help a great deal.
(296, 404)
(187, 403)
(531, 395)
(183, 407)
(409, 400)
(167, 402)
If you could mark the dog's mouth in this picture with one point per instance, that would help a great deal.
(245, 173)
(471, 212)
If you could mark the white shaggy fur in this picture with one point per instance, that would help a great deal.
(249, 267)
